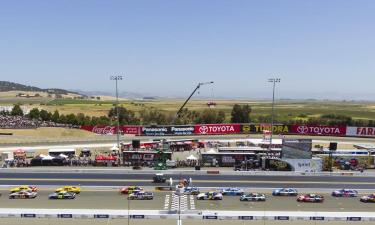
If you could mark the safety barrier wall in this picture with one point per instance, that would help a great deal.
(206, 215)
(222, 129)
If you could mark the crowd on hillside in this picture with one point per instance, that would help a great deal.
(22, 122)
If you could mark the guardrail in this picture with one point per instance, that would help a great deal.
(185, 215)
(177, 172)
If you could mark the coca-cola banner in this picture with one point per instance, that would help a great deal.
(110, 130)
(217, 129)
(318, 130)
(361, 131)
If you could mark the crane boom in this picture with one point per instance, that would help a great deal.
(191, 95)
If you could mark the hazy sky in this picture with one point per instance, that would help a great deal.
(318, 48)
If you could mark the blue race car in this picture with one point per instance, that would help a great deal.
(191, 190)
(232, 191)
(345, 193)
(285, 192)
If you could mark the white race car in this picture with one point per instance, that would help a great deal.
(210, 196)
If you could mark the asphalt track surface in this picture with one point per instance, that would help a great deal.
(165, 222)
(206, 180)
(95, 199)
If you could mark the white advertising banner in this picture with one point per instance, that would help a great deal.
(361, 131)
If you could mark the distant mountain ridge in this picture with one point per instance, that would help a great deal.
(11, 86)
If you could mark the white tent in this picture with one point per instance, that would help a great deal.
(211, 151)
(48, 157)
(63, 156)
(191, 157)
(115, 148)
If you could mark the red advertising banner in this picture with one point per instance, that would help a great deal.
(318, 130)
(136, 130)
(110, 130)
(217, 129)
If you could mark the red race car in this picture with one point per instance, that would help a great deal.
(310, 198)
(130, 190)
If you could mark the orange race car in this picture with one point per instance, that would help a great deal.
(130, 190)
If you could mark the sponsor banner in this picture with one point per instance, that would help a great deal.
(167, 130)
(181, 130)
(354, 219)
(361, 131)
(101, 216)
(111, 130)
(137, 216)
(282, 218)
(210, 217)
(317, 218)
(65, 216)
(136, 130)
(318, 130)
(217, 129)
(28, 215)
(246, 218)
(259, 128)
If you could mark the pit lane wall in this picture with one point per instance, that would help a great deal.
(221, 129)
(186, 215)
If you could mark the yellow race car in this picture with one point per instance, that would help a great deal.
(24, 188)
(72, 189)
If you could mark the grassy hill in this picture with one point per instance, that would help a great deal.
(6, 86)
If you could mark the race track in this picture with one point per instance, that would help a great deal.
(203, 180)
(111, 199)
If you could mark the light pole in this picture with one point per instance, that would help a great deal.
(116, 79)
(274, 81)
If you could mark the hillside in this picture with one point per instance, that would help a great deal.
(6, 86)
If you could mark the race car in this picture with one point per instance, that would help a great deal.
(23, 194)
(24, 188)
(191, 190)
(232, 191)
(345, 193)
(285, 192)
(141, 196)
(62, 195)
(368, 198)
(159, 178)
(130, 189)
(310, 198)
(210, 196)
(71, 189)
(253, 197)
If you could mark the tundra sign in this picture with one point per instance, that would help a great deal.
(361, 131)
(217, 129)
(318, 130)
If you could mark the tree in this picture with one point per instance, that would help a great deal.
(55, 116)
(210, 116)
(34, 114)
(125, 116)
(154, 116)
(241, 114)
(45, 115)
(16, 111)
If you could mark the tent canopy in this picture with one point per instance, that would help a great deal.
(115, 148)
(191, 157)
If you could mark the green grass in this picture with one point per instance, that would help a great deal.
(285, 109)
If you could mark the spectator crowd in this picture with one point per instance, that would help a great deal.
(22, 122)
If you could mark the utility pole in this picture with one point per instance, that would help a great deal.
(274, 81)
(116, 79)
